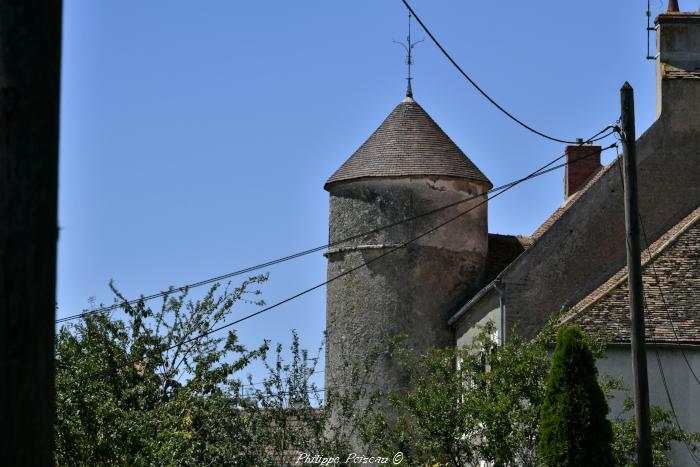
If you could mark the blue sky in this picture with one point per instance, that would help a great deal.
(196, 136)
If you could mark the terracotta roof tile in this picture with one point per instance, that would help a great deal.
(676, 260)
(407, 143)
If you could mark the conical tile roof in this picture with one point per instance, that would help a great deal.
(408, 143)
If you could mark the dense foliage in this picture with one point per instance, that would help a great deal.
(664, 432)
(143, 391)
(487, 407)
(574, 430)
(484, 409)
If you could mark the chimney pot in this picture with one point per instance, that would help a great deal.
(672, 6)
(582, 162)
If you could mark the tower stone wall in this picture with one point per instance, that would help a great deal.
(384, 288)
(410, 291)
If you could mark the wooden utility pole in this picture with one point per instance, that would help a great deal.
(634, 269)
(30, 58)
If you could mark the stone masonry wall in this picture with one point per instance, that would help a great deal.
(409, 291)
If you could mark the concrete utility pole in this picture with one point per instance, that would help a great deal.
(30, 59)
(634, 269)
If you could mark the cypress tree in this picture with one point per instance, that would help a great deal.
(574, 430)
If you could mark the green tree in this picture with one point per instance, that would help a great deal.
(127, 393)
(143, 390)
(293, 416)
(574, 430)
(664, 431)
(487, 406)
(477, 403)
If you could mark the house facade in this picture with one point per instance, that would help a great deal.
(576, 262)
(439, 288)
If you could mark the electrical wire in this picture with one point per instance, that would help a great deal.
(541, 171)
(477, 87)
(601, 134)
(338, 276)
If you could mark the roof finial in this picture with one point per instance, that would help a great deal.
(672, 6)
(409, 56)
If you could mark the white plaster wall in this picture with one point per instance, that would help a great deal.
(684, 390)
(487, 309)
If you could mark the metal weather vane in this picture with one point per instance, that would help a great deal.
(408, 46)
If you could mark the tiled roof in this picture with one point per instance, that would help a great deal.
(407, 143)
(676, 297)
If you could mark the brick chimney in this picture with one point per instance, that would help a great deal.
(678, 64)
(582, 162)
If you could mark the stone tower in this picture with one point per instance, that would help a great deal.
(407, 167)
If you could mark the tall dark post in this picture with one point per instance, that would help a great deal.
(636, 292)
(30, 58)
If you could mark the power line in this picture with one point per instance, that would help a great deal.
(541, 171)
(338, 276)
(601, 134)
(478, 88)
